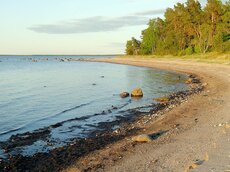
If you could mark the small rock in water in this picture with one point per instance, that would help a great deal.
(137, 92)
(124, 94)
(102, 76)
(114, 107)
(94, 84)
(142, 138)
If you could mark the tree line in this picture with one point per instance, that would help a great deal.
(186, 29)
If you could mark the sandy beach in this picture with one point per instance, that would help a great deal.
(196, 133)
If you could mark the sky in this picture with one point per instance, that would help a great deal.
(72, 27)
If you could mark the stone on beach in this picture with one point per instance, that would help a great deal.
(227, 126)
(163, 100)
(137, 92)
(124, 94)
(205, 84)
(192, 81)
(196, 164)
(142, 138)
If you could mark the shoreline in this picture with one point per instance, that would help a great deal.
(129, 127)
(199, 128)
(116, 151)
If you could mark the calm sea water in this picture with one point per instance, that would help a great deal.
(36, 95)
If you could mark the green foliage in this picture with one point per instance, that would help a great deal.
(197, 49)
(186, 29)
(226, 46)
(189, 51)
(129, 47)
(133, 47)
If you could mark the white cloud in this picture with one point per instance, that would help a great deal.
(151, 12)
(92, 24)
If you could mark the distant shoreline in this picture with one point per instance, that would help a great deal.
(63, 55)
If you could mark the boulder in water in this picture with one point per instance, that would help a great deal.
(124, 94)
(137, 92)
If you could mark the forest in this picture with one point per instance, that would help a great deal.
(186, 29)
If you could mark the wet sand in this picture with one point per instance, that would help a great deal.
(196, 134)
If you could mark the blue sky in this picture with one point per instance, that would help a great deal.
(74, 26)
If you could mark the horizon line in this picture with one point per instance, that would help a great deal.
(61, 54)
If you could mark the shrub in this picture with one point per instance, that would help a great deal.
(189, 51)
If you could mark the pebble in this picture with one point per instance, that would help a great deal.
(220, 125)
(142, 138)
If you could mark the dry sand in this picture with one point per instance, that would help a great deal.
(198, 130)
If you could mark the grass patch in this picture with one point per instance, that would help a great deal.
(219, 58)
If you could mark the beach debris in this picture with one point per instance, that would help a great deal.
(199, 162)
(196, 164)
(205, 95)
(142, 138)
(176, 125)
(137, 92)
(205, 84)
(193, 166)
(192, 81)
(162, 100)
(221, 124)
(196, 119)
(206, 158)
(117, 131)
(227, 126)
(188, 81)
(192, 76)
(124, 94)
